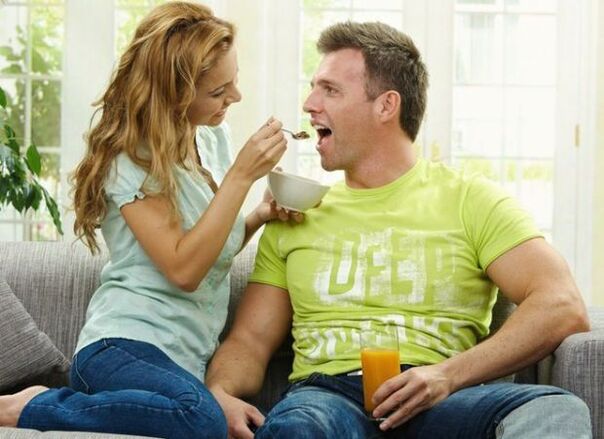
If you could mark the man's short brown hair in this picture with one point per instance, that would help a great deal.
(392, 62)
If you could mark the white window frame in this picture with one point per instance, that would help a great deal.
(26, 219)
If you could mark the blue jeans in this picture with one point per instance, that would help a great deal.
(323, 406)
(129, 387)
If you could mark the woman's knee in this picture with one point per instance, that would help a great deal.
(203, 420)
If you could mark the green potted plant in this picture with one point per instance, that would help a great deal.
(20, 173)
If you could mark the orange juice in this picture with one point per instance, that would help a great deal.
(378, 366)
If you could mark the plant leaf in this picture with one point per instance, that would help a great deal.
(2, 98)
(51, 205)
(33, 160)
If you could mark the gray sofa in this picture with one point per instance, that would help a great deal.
(55, 280)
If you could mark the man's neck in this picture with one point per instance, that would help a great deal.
(386, 162)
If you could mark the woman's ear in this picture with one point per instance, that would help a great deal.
(388, 105)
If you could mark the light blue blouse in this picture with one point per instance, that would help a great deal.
(135, 300)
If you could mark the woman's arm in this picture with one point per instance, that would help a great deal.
(266, 211)
(185, 257)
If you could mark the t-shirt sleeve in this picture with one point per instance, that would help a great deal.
(125, 181)
(270, 265)
(495, 222)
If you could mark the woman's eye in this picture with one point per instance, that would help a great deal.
(218, 93)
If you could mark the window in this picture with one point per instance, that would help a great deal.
(128, 13)
(31, 41)
(504, 98)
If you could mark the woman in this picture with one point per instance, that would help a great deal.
(150, 179)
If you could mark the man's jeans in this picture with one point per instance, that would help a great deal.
(325, 406)
(129, 387)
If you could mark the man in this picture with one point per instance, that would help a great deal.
(407, 242)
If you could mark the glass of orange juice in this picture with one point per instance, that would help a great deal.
(379, 359)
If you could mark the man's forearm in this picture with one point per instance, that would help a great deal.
(236, 370)
(525, 338)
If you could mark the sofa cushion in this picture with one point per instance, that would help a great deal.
(25, 351)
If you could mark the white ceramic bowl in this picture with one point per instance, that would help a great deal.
(294, 192)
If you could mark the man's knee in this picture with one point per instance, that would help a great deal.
(313, 415)
(552, 416)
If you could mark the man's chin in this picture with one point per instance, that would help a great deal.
(327, 166)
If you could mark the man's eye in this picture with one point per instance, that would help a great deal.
(330, 90)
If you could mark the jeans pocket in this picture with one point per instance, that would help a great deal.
(80, 362)
(78, 383)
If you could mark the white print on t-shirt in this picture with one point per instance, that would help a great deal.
(389, 264)
(320, 343)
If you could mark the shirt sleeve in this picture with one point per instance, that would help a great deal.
(125, 181)
(494, 221)
(270, 265)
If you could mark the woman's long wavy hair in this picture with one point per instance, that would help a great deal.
(144, 110)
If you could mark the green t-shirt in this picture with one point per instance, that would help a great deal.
(412, 253)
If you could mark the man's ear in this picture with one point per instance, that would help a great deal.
(388, 105)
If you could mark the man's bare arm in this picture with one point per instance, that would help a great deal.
(550, 308)
(262, 322)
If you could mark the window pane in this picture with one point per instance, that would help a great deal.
(530, 49)
(134, 3)
(310, 166)
(127, 20)
(477, 123)
(13, 39)
(11, 231)
(43, 231)
(377, 4)
(319, 4)
(530, 122)
(548, 6)
(47, 39)
(531, 183)
(313, 23)
(394, 19)
(476, 2)
(478, 48)
(7, 213)
(491, 169)
(15, 96)
(46, 113)
(50, 174)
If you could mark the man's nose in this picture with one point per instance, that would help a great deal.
(310, 104)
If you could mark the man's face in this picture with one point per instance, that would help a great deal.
(340, 109)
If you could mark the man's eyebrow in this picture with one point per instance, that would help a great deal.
(323, 82)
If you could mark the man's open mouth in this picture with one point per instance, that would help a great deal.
(322, 131)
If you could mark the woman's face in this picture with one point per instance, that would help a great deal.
(218, 90)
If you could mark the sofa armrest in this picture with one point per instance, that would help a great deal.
(578, 366)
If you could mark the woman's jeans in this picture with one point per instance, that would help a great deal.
(325, 406)
(129, 387)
